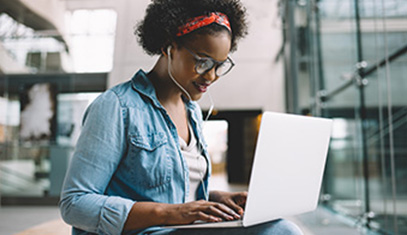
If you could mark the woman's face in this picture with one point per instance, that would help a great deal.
(216, 47)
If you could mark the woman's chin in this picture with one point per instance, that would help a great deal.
(196, 97)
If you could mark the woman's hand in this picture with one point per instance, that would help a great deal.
(190, 212)
(236, 201)
(225, 206)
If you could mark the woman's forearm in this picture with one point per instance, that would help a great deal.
(146, 214)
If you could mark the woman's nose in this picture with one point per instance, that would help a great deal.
(210, 76)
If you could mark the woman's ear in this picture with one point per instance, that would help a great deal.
(166, 51)
(169, 49)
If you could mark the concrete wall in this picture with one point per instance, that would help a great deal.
(257, 82)
(51, 10)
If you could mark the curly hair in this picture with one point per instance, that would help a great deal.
(164, 17)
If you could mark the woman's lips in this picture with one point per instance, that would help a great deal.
(201, 87)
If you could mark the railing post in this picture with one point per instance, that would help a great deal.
(362, 112)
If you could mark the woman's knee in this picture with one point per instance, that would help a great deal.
(284, 227)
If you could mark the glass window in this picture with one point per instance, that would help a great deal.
(352, 55)
(92, 33)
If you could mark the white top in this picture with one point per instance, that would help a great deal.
(197, 164)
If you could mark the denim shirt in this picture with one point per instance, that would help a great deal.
(128, 151)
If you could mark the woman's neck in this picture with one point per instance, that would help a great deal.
(167, 92)
(170, 98)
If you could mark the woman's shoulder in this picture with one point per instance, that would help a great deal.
(130, 93)
(122, 93)
(109, 97)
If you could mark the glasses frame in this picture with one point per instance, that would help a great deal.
(215, 63)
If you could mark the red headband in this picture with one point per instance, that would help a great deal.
(201, 21)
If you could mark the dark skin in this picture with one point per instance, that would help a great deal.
(221, 205)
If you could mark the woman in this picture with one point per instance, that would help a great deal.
(141, 161)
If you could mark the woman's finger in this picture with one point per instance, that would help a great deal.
(231, 208)
(206, 217)
(220, 210)
(237, 210)
(241, 198)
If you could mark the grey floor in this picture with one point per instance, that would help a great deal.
(14, 219)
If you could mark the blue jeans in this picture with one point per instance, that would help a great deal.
(276, 227)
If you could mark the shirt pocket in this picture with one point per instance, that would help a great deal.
(150, 162)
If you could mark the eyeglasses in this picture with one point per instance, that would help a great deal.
(205, 64)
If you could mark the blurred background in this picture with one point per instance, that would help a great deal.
(341, 59)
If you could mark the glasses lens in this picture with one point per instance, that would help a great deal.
(203, 65)
(224, 68)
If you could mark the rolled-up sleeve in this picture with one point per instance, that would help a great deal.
(98, 153)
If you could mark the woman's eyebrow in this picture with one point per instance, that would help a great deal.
(202, 54)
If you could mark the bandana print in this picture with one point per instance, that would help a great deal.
(201, 21)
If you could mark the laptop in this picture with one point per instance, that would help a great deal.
(287, 170)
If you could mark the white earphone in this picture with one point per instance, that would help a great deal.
(189, 97)
(172, 77)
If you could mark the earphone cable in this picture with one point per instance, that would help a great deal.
(200, 144)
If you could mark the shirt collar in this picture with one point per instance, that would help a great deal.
(142, 84)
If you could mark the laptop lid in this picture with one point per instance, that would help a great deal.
(287, 170)
(288, 166)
